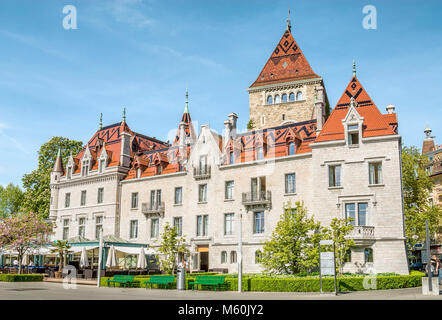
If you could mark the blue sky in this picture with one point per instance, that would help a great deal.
(142, 54)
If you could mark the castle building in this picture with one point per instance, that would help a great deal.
(342, 164)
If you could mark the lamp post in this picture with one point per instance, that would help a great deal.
(100, 256)
(240, 252)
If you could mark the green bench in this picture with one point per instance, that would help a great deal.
(123, 280)
(160, 280)
(214, 281)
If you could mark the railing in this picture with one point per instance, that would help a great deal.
(252, 198)
(362, 232)
(155, 208)
(202, 172)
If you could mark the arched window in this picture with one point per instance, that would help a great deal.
(291, 148)
(223, 257)
(277, 99)
(299, 96)
(258, 256)
(284, 97)
(292, 96)
(269, 100)
(233, 257)
(368, 254)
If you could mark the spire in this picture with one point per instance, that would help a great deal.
(100, 125)
(354, 68)
(124, 115)
(186, 107)
(289, 24)
(58, 165)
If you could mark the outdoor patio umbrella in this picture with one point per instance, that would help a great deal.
(25, 260)
(84, 262)
(142, 263)
(111, 258)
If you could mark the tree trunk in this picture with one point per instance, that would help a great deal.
(19, 262)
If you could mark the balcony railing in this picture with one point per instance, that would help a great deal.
(256, 198)
(153, 209)
(362, 234)
(201, 172)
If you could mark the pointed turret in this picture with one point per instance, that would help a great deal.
(58, 165)
(186, 133)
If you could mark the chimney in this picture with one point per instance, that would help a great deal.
(390, 108)
(233, 119)
(125, 149)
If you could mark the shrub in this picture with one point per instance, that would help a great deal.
(21, 277)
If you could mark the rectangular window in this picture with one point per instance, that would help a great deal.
(360, 216)
(290, 183)
(178, 225)
(134, 203)
(229, 223)
(83, 198)
(67, 200)
(100, 195)
(65, 229)
(231, 157)
(82, 227)
(202, 225)
(350, 212)
(102, 165)
(375, 173)
(178, 195)
(353, 134)
(202, 193)
(334, 176)
(69, 174)
(203, 164)
(133, 229)
(155, 198)
(229, 188)
(154, 227)
(98, 226)
(258, 222)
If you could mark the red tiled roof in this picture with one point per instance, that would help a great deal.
(287, 63)
(375, 123)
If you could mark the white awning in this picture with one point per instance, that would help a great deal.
(76, 249)
(129, 250)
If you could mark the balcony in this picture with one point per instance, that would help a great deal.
(153, 209)
(362, 235)
(201, 172)
(257, 200)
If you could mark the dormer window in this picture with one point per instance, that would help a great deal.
(102, 165)
(69, 173)
(159, 169)
(269, 100)
(259, 153)
(85, 168)
(231, 157)
(291, 148)
(353, 134)
(138, 172)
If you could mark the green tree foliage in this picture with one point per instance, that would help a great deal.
(338, 231)
(250, 125)
(293, 246)
(36, 184)
(171, 245)
(61, 247)
(11, 198)
(417, 186)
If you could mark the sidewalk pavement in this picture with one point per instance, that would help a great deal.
(56, 291)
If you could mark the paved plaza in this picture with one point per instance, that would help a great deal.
(48, 290)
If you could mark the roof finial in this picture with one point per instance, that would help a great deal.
(354, 68)
(100, 125)
(59, 152)
(124, 115)
(289, 25)
(186, 108)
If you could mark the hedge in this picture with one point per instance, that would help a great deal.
(304, 284)
(21, 277)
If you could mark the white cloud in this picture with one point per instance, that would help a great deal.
(132, 12)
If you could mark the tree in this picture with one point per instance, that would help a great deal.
(171, 245)
(338, 232)
(36, 184)
(417, 186)
(22, 232)
(250, 125)
(11, 198)
(62, 248)
(293, 246)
